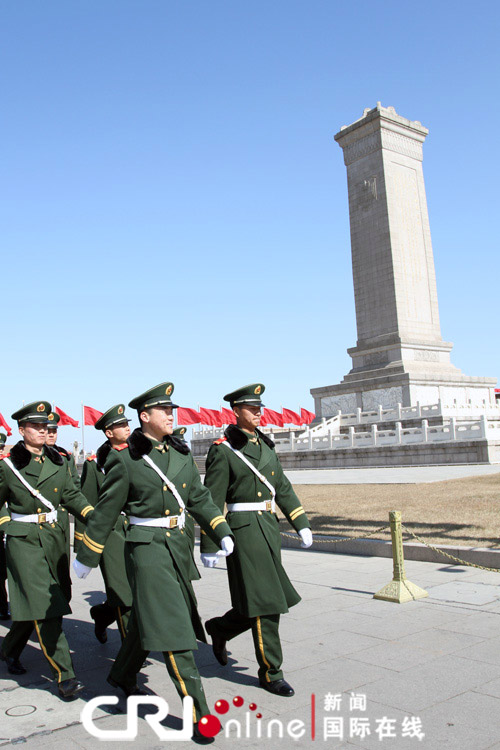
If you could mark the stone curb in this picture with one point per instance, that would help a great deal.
(412, 550)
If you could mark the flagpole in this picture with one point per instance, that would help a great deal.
(83, 431)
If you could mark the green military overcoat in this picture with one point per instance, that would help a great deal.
(158, 559)
(112, 562)
(258, 582)
(37, 557)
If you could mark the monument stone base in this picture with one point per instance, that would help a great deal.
(368, 390)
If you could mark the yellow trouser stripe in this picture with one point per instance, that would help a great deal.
(120, 622)
(51, 661)
(94, 546)
(261, 647)
(296, 513)
(87, 510)
(181, 681)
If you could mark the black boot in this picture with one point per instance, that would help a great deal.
(279, 687)
(14, 666)
(69, 688)
(218, 643)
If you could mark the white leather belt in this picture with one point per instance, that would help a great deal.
(35, 517)
(266, 505)
(169, 522)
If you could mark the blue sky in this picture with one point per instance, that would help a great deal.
(174, 206)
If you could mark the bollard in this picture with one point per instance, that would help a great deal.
(400, 589)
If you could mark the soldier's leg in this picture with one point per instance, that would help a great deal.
(17, 638)
(265, 631)
(122, 618)
(130, 657)
(55, 647)
(103, 615)
(186, 678)
(229, 625)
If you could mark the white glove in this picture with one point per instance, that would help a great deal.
(307, 538)
(227, 546)
(81, 570)
(209, 559)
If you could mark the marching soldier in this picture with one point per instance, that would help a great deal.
(52, 427)
(4, 601)
(153, 480)
(118, 602)
(34, 482)
(243, 470)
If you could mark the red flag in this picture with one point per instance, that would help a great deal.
(307, 416)
(187, 416)
(273, 417)
(65, 418)
(291, 417)
(211, 417)
(228, 416)
(90, 415)
(3, 423)
(263, 421)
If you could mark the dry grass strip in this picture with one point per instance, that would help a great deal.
(465, 512)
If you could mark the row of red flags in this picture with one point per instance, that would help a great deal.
(211, 417)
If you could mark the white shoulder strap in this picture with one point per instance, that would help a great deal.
(250, 465)
(171, 486)
(32, 490)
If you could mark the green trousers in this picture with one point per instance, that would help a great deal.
(52, 642)
(181, 667)
(266, 639)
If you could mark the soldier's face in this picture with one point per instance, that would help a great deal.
(247, 416)
(34, 434)
(118, 433)
(159, 421)
(51, 436)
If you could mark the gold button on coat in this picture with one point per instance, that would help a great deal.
(259, 494)
(184, 485)
(168, 533)
(259, 512)
(167, 512)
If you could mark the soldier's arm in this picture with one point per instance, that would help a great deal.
(4, 490)
(207, 513)
(217, 481)
(90, 489)
(112, 498)
(73, 500)
(288, 502)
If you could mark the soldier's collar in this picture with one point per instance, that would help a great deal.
(237, 438)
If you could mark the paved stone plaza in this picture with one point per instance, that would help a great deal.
(393, 475)
(436, 658)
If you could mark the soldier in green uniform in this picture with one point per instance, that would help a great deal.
(243, 470)
(52, 428)
(118, 602)
(4, 601)
(34, 483)
(153, 480)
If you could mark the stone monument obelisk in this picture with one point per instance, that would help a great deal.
(400, 356)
